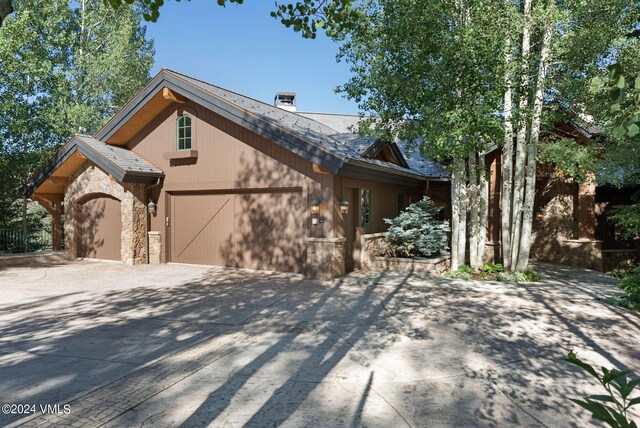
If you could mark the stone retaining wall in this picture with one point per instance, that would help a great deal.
(374, 246)
(436, 265)
(371, 245)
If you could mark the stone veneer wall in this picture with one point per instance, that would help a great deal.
(371, 245)
(90, 180)
(435, 265)
(155, 247)
(325, 258)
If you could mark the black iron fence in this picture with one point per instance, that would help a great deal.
(12, 241)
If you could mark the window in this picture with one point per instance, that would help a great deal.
(401, 202)
(365, 207)
(183, 132)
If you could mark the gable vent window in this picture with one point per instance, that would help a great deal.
(365, 207)
(184, 132)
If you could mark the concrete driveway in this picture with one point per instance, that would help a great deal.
(176, 345)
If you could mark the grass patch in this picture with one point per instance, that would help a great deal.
(623, 302)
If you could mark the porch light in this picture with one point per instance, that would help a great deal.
(344, 207)
(151, 207)
(315, 205)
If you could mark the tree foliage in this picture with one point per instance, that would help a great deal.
(416, 231)
(64, 68)
(306, 17)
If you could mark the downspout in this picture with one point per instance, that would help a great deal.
(147, 224)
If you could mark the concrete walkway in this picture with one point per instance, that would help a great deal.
(177, 345)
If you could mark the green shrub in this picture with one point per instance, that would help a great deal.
(627, 220)
(612, 407)
(415, 232)
(493, 268)
(630, 284)
(463, 272)
(525, 276)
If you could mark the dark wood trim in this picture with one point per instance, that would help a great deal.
(181, 154)
(203, 190)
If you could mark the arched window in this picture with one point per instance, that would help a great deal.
(183, 132)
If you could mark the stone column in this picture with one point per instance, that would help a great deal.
(133, 225)
(155, 247)
(70, 244)
(586, 209)
(325, 258)
(56, 222)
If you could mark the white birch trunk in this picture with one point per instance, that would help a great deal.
(455, 215)
(532, 149)
(473, 210)
(507, 164)
(521, 139)
(462, 222)
(483, 208)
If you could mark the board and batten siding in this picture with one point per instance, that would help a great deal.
(230, 158)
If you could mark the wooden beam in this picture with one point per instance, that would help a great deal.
(168, 94)
(52, 197)
(319, 169)
(58, 180)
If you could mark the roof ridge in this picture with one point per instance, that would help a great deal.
(250, 98)
(224, 89)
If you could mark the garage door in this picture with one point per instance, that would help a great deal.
(98, 228)
(257, 230)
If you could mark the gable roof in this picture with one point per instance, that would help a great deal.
(346, 124)
(121, 163)
(311, 139)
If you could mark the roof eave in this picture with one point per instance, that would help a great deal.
(354, 168)
(290, 141)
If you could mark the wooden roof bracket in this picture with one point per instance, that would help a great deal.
(168, 94)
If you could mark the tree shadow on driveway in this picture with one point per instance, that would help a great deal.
(232, 347)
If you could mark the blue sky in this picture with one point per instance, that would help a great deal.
(243, 49)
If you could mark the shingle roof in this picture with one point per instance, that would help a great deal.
(123, 158)
(330, 132)
(345, 125)
(121, 163)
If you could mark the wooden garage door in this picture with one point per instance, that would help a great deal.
(257, 230)
(99, 227)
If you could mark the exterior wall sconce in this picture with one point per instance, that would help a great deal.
(315, 205)
(151, 207)
(315, 211)
(344, 207)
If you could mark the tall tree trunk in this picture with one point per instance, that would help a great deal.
(458, 213)
(532, 149)
(483, 208)
(455, 214)
(521, 139)
(464, 206)
(473, 210)
(507, 162)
